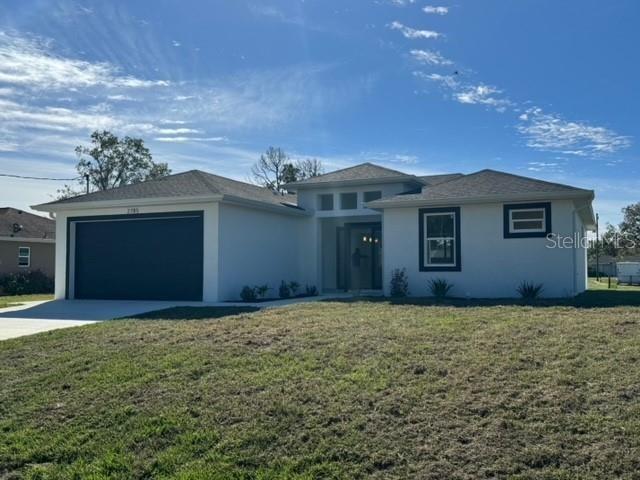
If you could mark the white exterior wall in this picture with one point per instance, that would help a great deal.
(492, 266)
(260, 247)
(210, 225)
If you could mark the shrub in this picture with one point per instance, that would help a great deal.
(399, 283)
(26, 283)
(439, 288)
(248, 294)
(262, 290)
(311, 290)
(294, 287)
(529, 291)
(284, 290)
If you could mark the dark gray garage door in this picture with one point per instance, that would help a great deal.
(139, 257)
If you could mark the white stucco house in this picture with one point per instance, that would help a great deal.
(198, 236)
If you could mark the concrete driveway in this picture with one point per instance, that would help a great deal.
(34, 317)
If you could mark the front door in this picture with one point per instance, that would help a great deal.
(360, 256)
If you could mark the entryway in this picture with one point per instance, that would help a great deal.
(359, 258)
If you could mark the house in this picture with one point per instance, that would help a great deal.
(27, 242)
(198, 236)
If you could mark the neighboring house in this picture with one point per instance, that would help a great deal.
(27, 242)
(198, 236)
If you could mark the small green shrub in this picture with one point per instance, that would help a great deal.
(529, 291)
(26, 283)
(311, 291)
(439, 288)
(399, 283)
(284, 291)
(248, 294)
(293, 288)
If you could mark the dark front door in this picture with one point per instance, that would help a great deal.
(360, 256)
(139, 257)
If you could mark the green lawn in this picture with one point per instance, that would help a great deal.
(329, 390)
(11, 300)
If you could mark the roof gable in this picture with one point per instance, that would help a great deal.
(358, 173)
(28, 224)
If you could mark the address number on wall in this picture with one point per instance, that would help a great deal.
(133, 210)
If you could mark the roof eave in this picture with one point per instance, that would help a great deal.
(129, 202)
(279, 208)
(419, 202)
(295, 186)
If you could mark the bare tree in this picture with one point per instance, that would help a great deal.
(270, 170)
(308, 168)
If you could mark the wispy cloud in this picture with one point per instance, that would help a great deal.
(402, 3)
(482, 95)
(413, 33)
(29, 62)
(552, 167)
(436, 10)
(430, 57)
(549, 132)
(189, 139)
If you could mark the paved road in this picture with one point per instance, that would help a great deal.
(34, 317)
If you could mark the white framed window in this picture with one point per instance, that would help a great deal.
(439, 239)
(24, 256)
(527, 220)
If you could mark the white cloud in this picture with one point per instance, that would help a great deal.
(177, 131)
(176, 43)
(553, 167)
(402, 3)
(430, 57)
(448, 81)
(436, 10)
(30, 63)
(189, 139)
(483, 95)
(412, 33)
(120, 98)
(549, 132)
(181, 98)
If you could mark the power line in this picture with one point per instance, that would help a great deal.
(38, 178)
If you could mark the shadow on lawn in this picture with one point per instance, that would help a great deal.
(588, 299)
(194, 313)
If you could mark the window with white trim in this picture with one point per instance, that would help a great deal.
(527, 220)
(24, 256)
(439, 239)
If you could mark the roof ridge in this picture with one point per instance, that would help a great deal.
(252, 185)
(523, 177)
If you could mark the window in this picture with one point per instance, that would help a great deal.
(371, 196)
(24, 256)
(348, 201)
(326, 201)
(439, 239)
(527, 220)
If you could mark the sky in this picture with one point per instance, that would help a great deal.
(540, 88)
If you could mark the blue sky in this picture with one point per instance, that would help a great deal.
(540, 88)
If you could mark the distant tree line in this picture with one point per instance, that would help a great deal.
(275, 169)
(623, 239)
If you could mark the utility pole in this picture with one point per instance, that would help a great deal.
(597, 247)
(86, 177)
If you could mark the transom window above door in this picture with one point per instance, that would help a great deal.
(527, 220)
(440, 239)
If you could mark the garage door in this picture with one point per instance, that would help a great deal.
(139, 257)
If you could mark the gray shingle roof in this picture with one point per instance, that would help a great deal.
(431, 180)
(485, 183)
(193, 183)
(364, 171)
(29, 225)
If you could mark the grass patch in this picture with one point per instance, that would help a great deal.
(329, 390)
(13, 300)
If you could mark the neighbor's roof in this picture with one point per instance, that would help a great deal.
(485, 184)
(363, 173)
(27, 225)
(193, 183)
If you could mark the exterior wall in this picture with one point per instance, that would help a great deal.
(308, 198)
(42, 256)
(492, 266)
(210, 260)
(258, 247)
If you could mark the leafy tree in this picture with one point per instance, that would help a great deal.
(275, 169)
(111, 162)
(630, 227)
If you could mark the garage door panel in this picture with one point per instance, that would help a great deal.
(156, 258)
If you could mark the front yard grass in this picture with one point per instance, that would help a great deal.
(329, 390)
(12, 300)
